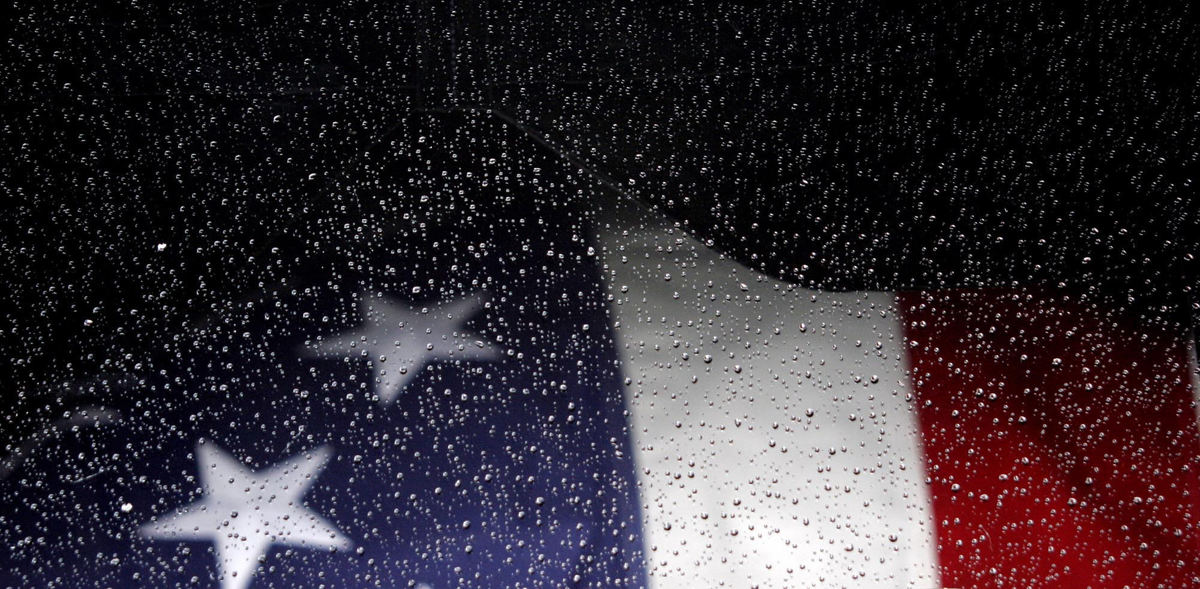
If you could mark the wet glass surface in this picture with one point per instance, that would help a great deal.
(501, 294)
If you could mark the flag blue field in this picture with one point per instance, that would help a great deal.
(434, 403)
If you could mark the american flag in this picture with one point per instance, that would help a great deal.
(501, 373)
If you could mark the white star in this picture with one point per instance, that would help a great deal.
(244, 512)
(400, 340)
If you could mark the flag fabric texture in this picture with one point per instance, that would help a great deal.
(499, 389)
(433, 400)
(960, 438)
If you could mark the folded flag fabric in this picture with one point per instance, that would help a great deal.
(530, 382)
(962, 438)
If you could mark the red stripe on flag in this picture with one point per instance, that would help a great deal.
(1061, 442)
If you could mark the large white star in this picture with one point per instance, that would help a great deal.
(244, 512)
(399, 340)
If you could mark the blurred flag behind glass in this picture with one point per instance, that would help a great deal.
(438, 295)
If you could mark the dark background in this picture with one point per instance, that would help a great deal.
(840, 145)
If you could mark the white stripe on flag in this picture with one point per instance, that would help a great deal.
(774, 441)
